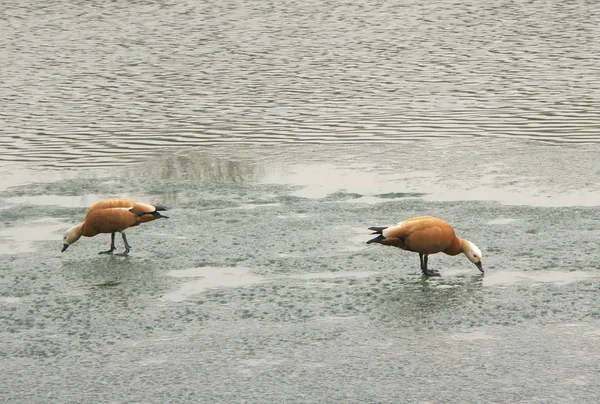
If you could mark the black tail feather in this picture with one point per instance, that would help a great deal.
(377, 230)
(377, 239)
(158, 215)
(160, 207)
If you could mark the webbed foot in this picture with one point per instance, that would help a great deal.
(431, 272)
(126, 252)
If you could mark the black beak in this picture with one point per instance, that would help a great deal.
(65, 246)
(478, 265)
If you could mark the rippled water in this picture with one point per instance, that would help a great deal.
(88, 83)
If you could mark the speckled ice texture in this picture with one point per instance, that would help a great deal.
(257, 290)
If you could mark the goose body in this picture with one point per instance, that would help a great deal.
(112, 216)
(427, 235)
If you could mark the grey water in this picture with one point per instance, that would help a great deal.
(276, 132)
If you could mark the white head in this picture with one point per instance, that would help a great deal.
(473, 253)
(71, 236)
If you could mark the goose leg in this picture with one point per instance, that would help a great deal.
(127, 246)
(427, 272)
(112, 245)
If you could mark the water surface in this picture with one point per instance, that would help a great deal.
(91, 85)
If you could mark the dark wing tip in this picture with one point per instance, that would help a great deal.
(137, 212)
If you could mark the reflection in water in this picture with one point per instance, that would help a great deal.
(210, 277)
(536, 278)
(200, 167)
(424, 300)
(71, 201)
(21, 239)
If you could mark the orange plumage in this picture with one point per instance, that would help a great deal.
(427, 235)
(112, 216)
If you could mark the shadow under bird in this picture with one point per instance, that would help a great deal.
(427, 235)
(112, 216)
